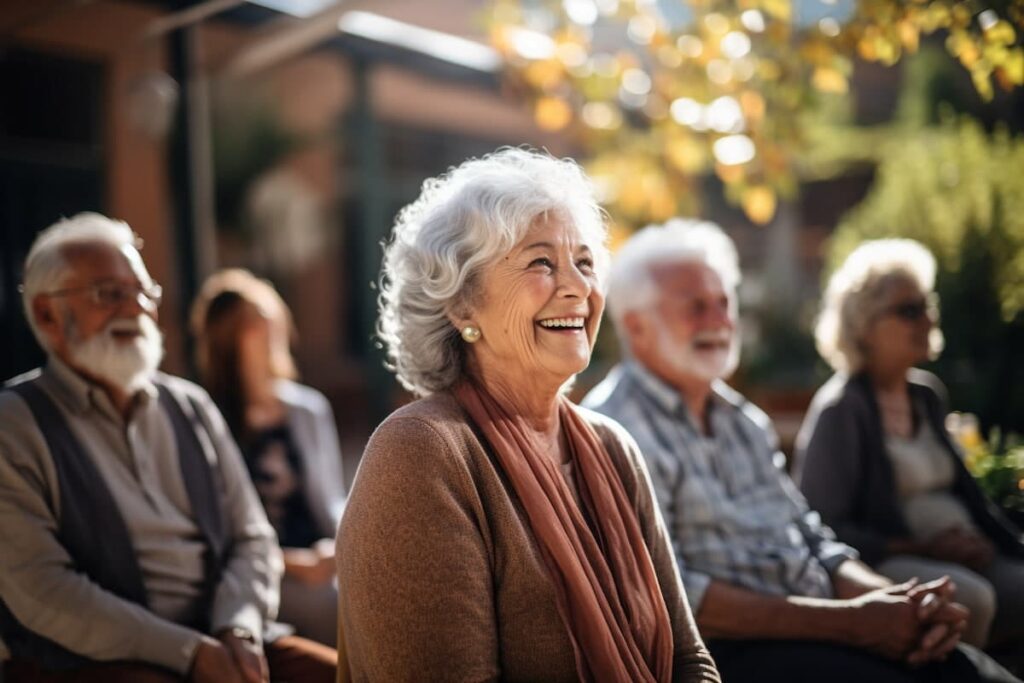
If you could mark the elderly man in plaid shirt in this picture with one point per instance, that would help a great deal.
(775, 595)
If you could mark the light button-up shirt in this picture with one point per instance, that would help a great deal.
(732, 512)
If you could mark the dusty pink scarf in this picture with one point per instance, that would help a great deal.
(608, 593)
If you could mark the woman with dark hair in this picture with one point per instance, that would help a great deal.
(286, 432)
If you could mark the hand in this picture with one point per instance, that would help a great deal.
(885, 621)
(248, 658)
(942, 634)
(962, 547)
(327, 550)
(213, 663)
(325, 547)
(314, 565)
(944, 621)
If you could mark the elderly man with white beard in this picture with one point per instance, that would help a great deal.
(775, 596)
(134, 547)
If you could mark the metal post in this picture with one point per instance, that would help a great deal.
(373, 222)
(191, 174)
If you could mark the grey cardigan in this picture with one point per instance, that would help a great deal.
(844, 470)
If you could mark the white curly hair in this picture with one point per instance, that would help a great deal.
(462, 222)
(631, 285)
(857, 293)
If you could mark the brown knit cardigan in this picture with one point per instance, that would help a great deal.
(439, 574)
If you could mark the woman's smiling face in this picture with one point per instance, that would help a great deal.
(539, 307)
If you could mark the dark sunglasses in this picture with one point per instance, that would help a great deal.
(910, 311)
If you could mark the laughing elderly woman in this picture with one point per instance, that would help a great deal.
(494, 530)
(873, 455)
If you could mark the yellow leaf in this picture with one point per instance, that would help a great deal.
(888, 50)
(969, 55)
(780, 9)
(909, 35)
(961, 15)
(759, 203)
(935, 17)
(686, 154)
(817, 52)
(866, 48)
(1001, 33)
(1014, 66)
(969, 436)
(996, 55)
(544, 75)
(957, 41)
(982, 83)
(753, 105)
(552, 113)
(1002, 79)
(730, 174)
(829, 80)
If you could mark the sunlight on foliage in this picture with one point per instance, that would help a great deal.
(997, 466)
(944, 187)
(663, 92)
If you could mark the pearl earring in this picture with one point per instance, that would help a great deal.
(471, 334)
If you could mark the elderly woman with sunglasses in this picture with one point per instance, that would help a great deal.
(873, 455)
(495, 531)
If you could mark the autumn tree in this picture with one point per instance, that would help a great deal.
(664, 92)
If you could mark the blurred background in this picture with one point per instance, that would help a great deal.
(284, 135)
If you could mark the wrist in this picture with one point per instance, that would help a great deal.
(853, 578)
(203, 648)
(828, 620)
(238, 633)
(840, 621)
(194, 648)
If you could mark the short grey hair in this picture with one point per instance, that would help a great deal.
(631, 285)
(46, 267)
(462, 222)
(857, 292)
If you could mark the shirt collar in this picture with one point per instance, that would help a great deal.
(667, 396)
(658, 389)
(79, 394)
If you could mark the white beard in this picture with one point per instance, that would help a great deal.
(707, 366)
(127, 365)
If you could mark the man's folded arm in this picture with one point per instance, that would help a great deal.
(730, 611)
(249, 590)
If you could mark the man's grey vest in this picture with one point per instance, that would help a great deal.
(92, 529)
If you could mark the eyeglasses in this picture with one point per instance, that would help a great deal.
(116, 294)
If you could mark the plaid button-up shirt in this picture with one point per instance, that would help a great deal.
(731, 510)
